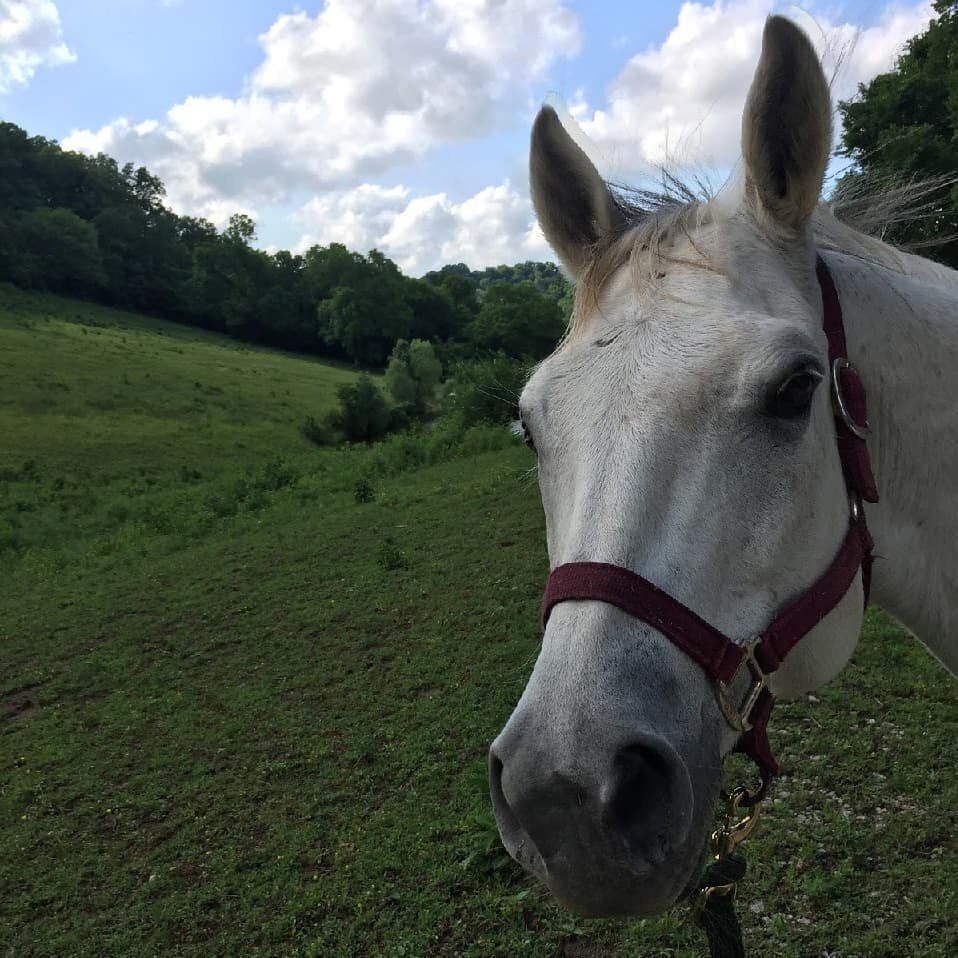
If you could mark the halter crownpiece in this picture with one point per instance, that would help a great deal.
(721, 658)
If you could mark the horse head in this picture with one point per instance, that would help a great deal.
(683, 434)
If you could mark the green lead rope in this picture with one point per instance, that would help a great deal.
(717, 916)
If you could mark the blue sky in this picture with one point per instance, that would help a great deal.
(398, 123)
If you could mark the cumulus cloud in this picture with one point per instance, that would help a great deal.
(681, 102)
(496, 225)
(30, 37)
(346, 94)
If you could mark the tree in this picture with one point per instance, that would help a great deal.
(367, 313)
(412, 375)
(84, 225)
(229, 278)
(241, 229)
(399, 380)
(903, 126)
(145, 263)
(20, 188)
(59, 251)
(434, 316)
(518, 320)
(546, 277)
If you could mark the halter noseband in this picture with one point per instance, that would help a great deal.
(720, 657)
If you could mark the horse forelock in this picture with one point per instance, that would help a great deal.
(654, 222)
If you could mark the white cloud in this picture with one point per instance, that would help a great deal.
(681, 102)
(364, 85)
(357, 218)
(875, 49)
(348, 93)
(494, 226)
(30, 37)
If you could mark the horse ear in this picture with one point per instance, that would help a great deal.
(786, 126)
(573, 203)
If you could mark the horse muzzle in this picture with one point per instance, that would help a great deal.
(615, 834)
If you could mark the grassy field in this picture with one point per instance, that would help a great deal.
(94, 391)
(106, 416)
(243, 713)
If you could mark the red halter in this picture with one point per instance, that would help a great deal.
(718, 655)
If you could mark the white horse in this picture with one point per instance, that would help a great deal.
(681, 434)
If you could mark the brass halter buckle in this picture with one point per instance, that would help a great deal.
(740, 718)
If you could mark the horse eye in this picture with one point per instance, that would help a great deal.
(794, 396)
(527, 437)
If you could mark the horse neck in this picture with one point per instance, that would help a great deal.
(903, 335)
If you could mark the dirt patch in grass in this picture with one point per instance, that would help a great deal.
(19, 704)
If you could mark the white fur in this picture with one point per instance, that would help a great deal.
(649, 458)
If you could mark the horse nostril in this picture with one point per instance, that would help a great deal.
(648, 800)
(509, 825)
(495, 783)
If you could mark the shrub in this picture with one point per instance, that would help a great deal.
(486, 390)
(276, 474)
(363, 413)
(28, 472)
(447, 440)
(318, 433)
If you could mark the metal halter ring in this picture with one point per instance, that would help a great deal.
(741, 718)
(838, 367)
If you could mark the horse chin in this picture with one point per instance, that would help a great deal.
(608, 887)
(622, 894)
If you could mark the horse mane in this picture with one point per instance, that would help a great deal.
(855, 220)
(862, 213)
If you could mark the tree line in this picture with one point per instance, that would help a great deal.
(85, 226)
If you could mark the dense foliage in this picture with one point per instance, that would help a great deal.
(87, 227)
(485, 391)
(413, 373)
(903, 126)
(363, 414)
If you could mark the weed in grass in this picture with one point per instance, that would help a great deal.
(391, 556)
(363, 491)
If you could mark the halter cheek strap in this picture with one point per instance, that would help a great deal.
(721, 658)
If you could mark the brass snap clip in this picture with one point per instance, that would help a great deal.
(741, 816)
(736, 827)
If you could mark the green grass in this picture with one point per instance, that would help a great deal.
(104, 393)
(262, 730)
(117, 425)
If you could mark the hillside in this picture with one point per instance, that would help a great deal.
(115, 394)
